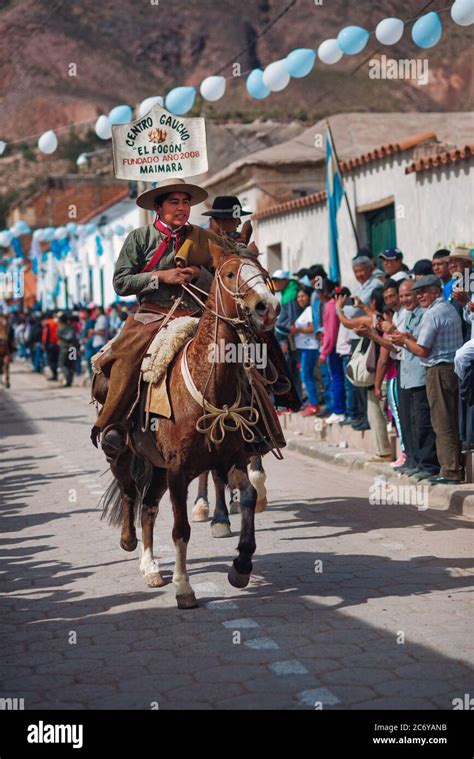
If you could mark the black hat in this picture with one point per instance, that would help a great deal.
(226, 207)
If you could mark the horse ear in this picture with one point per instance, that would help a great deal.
(216, 252)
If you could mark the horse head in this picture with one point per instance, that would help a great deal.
(241, 290)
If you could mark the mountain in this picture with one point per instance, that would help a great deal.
(66, 62)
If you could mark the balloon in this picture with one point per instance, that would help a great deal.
(103, 129)
(48, 142)
(60, 233)
(213, 88)
(462, 12)
(3, 145)
(147, 104)
(119, 230)
(352, 39)
(49, 234)
(255, 85)
(427, 30)
(20, 228)
(180, 100)
(276, 76)
(300, 62)
(121, 114)
(38, 235)
(329, 51)
(71, 228)
(390, 31)
(6, 238)
(90, 228)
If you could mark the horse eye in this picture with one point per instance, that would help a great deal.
(230, 275)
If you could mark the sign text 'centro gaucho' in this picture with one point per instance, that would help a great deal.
(158, 144)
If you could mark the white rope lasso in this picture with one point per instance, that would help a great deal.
(217, 421)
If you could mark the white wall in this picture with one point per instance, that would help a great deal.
(433, 209)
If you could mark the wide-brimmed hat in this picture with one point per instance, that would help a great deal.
(463, 253)
(165, 187)
(226, 207)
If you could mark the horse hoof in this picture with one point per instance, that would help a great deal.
(187, 601)
(154, 580)
(128, 546)
(201, 511)
(236, 579)
(261, 505)
(221, 530)
(234, 507)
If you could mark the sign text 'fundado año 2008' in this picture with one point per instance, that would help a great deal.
(159, 144)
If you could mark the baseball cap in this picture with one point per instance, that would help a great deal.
(280, 274)
(392, 254)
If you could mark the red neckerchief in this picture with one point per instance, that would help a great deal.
(176, 235)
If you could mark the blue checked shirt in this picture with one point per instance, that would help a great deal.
(441, 332)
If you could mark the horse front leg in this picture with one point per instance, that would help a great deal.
(239, 573)
(201, 504)
(220, 525)
(149, 566)
(257, 478)
(178, 488)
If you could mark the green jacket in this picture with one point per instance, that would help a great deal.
(139, 248)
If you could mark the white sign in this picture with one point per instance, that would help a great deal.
(159, 144)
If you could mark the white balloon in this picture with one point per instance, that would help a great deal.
(276, 76)
(329, 51)
(48, 142)
(60, 233)
(390, 31)
(103, 128)
(147, 104)
(462, 12)
(213, 88)
(3, 145)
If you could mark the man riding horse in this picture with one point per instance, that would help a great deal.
(154, 263)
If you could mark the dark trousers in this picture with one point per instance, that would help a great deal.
(418, 433)
(52, 352)
(442, 389)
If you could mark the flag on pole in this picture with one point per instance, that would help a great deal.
(335, 192)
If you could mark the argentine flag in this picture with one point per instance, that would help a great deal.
(335, 191)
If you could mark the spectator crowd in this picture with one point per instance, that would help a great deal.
(396, 354)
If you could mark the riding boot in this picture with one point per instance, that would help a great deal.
(113, 443)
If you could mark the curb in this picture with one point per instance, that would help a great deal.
(455, 500)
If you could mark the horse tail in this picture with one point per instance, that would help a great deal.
(112, 504)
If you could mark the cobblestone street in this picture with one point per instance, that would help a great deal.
(350, 606)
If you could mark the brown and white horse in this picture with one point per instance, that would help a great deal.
(240, 299)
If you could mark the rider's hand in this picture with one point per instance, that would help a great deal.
(174, 276)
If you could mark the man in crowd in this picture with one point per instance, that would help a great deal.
(392, 262)
(439, 338)
(441, 270)
(50, 342)
(418, 434)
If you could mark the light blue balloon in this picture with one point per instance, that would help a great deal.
(352, 39)
(90, 228)
(427, 30)
(21, 228)
(119, 230)
(49, 234)
(180, 100)
(300, 62)
(121, 114)
(255, 85)
(71, 228)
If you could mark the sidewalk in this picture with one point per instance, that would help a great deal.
(345, 447)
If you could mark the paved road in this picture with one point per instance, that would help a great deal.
(350, 605)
